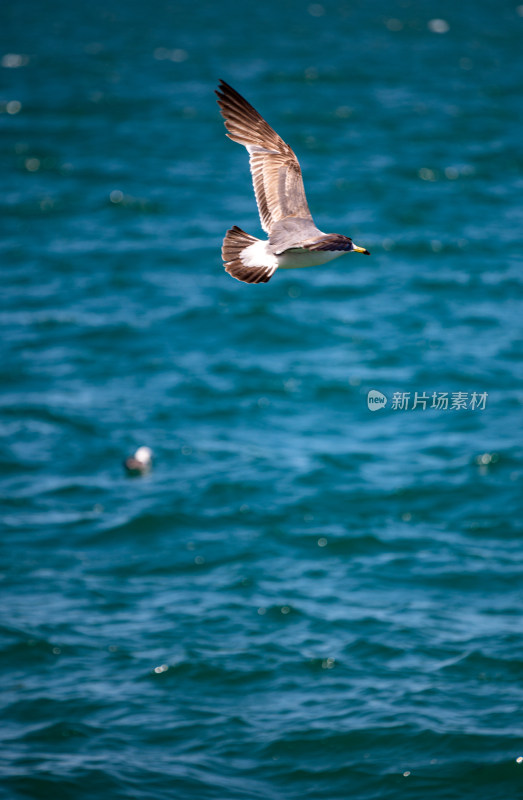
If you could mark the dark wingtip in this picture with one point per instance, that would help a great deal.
(219, 91)
(223, 87)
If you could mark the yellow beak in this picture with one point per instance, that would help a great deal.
(360, 249)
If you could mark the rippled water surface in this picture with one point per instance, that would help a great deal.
(304, 598)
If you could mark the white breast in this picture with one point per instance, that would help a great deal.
(293, 259)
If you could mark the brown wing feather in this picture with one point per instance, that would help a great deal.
(276, 173)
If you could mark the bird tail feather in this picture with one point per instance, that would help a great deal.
(235, 243)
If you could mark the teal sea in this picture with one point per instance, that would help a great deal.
(305, 598)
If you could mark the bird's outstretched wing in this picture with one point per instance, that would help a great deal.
(276, 173)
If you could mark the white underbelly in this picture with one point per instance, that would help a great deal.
(293, 259)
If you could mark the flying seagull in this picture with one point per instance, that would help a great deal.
(294, 240)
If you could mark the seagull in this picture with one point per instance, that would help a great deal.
(294, 240)
(140, 462)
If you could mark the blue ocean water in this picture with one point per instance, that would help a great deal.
(304, 598)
